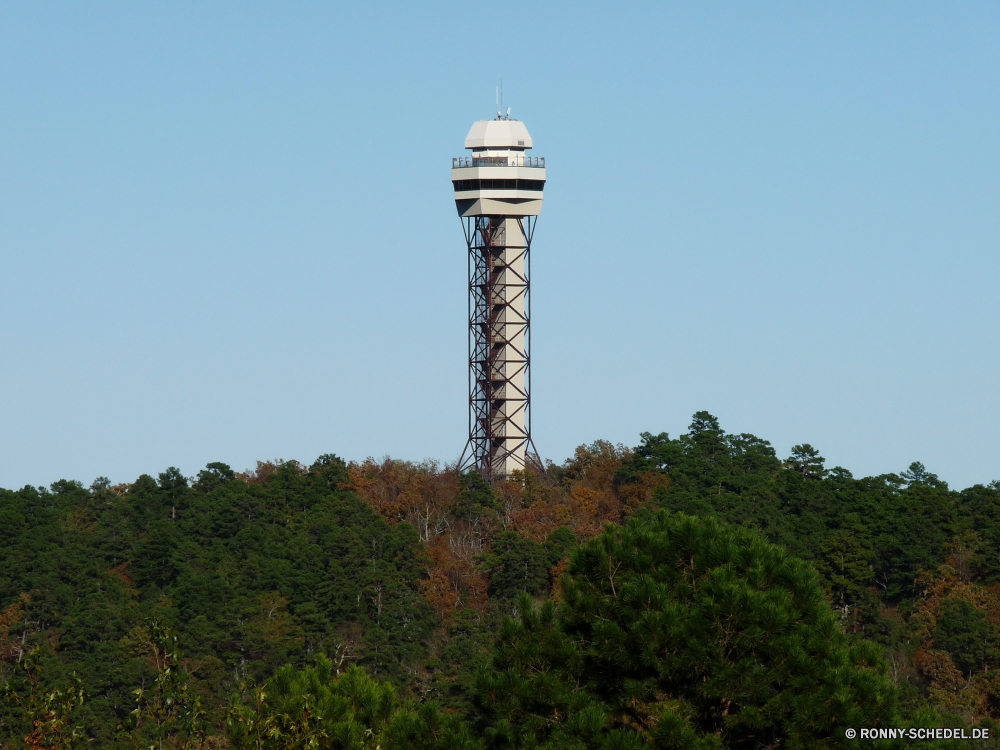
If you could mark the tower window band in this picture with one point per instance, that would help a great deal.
(464, 185)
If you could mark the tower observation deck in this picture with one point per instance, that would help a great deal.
(498, 194)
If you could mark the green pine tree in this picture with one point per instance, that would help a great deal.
(683, 633)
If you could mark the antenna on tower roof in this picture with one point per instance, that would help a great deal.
(500, 114)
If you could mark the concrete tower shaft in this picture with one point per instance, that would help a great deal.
(498, 194)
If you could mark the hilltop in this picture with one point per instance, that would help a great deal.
(409, 571)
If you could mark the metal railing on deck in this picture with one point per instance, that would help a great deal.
(514, 160)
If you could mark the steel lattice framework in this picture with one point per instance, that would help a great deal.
(499, 344)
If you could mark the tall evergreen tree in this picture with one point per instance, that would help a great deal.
(687, 634)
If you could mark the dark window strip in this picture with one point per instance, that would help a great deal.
(464, 185)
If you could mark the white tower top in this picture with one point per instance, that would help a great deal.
(499, 178)
(501, 133)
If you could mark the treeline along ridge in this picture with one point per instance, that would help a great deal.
(690, 592)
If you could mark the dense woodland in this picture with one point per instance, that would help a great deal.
(690, 592)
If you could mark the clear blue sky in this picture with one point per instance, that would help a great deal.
(227, 230)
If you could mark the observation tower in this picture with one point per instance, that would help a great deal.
(498, 194)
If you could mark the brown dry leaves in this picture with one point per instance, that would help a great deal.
(580, 495)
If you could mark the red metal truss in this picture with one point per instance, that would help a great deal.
(499, 364)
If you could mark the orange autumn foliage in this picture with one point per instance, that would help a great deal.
(453, 579)
(558, 571)
(419, 494)
(11, 648)
(587, 498)
(580, 495)
(973, 696)
(121, 572)
(947, 686)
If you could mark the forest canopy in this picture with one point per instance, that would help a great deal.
(395, 604)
